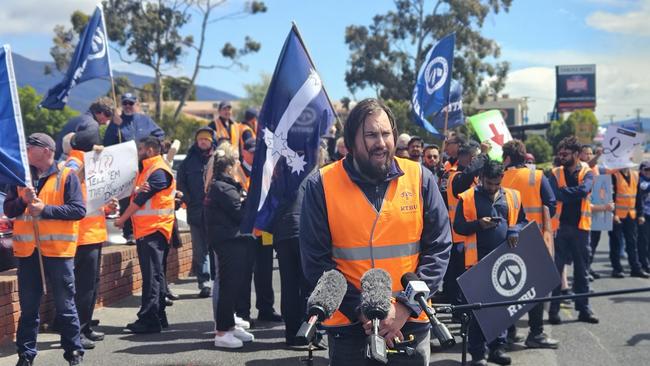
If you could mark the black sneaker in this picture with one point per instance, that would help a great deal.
(140, 327)
(639, 274)
(24, 361)
(269, 317)
(588, 317)
(205, 292)
(94, 336)
(172, 296)
(75, 359)
(618, 274)
(541, 341)
(479, 362)
(499, 357)
(594, 274)
(86, 343)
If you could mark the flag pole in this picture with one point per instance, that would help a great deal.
(110, 70)
(294, 27)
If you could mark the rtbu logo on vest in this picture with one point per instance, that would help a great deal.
(510, 274)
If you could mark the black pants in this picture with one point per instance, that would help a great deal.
(626, 230)
(293, 286)
(151, 249)
(233, 255)
(643, 243)
(127, 230)
(455, 268)
(593, 244)
(86, 273)
(259, 264)
(571, 242)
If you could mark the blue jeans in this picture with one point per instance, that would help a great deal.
(571, 242)
(200, 255)
(60, 273)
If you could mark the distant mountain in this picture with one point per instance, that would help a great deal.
(30, 72)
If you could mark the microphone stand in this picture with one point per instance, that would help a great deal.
(466, 309)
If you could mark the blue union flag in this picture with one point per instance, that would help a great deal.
(431, 91)
(295, 113)
(90, 61)
(14, 168)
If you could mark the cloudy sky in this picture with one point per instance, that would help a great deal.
(534, 37)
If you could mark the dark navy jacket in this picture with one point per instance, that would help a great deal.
(83, 122)
(72, 209)
(316, 240)
(488, 240)
(134, 127)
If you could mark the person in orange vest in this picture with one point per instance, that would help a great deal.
(92, 235)
(572, 183)
(226, 128)
(488, 215)
(625, 183)
(56, 202)
(589, 159)
(152, 214)
(451, 147)
(536, 193)
(247, 134)
(469, 164)
(374, 210)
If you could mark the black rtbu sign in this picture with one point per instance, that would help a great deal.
(575, 87)
(508, 274)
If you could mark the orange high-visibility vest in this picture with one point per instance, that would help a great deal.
(585, 206)
(452, 203)
(513, 199)
(363, 238)
(157, 214)
(92, 228)
(626, 195)
(448, 167)
(58, 237)
(231, 134)
(528, 181)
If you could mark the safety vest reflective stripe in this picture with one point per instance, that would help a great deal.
(376, 252)
(533, 209)
(620, 207)
(625, 194)
(585, 207)
(50, 237)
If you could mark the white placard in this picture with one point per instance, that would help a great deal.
(110, 173)
(619, 145)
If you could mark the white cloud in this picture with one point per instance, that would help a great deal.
(622, 83)
(634, 22)
(38, 16)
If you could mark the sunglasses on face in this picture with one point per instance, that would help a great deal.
(128, 103)
(646, 169)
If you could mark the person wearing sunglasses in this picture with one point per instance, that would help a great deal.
(131, 125)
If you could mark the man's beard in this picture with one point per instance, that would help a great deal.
(569, 163)
(375, 172)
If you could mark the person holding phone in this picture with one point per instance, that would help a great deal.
(487, 215)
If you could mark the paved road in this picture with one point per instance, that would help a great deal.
(623, 337)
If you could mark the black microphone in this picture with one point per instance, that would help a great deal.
(376, 291)
(323, 302)
(417, 293)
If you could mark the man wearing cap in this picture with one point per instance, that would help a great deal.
(227, 129)
(128, 126)
(191, 181)
(99, 113)
(56, 201)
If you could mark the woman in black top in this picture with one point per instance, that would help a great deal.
(224, 209)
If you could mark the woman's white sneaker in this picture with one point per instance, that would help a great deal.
(228, 340)
(242, 335)
(242, 323)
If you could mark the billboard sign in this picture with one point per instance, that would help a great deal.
(575, 87)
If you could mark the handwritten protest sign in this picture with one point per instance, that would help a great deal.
(619, 145)
(491, 127)
(110, 173)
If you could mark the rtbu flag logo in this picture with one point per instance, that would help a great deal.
(90, 61)
(431, 91)
(295, 113)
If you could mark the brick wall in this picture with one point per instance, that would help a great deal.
(120, 277)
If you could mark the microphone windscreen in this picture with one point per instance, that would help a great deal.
(329, 292)
(376, 291)
(408, 277)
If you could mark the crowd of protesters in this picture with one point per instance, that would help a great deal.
(484, 203)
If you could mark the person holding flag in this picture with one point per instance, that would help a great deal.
(99, 113)
(49, 212)
(90, 61)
